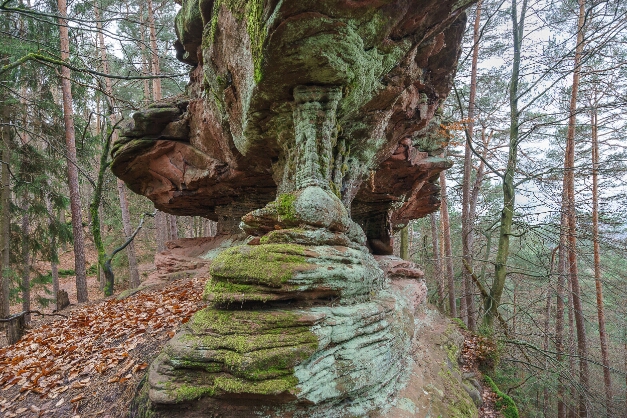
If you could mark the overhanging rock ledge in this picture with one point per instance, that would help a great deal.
(313, 127)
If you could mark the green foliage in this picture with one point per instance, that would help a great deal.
(460, 323)
(92, 270)
(43, 282)
(66, 272)
(14, 286)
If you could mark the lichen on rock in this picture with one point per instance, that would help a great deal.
(232, 352)
(389, 64)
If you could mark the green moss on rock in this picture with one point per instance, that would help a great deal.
(242, 321)
(238, 352)
(140, 406)
(266, 387)
(249, 343)
(221, 293)
(285, 207)
(190, 392)
(504, 402)
(269, 265)
(217, 288)
(252, 12)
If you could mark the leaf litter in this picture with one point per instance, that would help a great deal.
(472, 353)
(96, 357)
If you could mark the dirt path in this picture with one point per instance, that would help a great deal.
(471, 354)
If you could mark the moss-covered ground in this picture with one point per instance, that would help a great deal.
(504, 403)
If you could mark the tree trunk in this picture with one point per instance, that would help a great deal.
(173, 228)
(480, 174)
(437, 263)
(128, 231)
(446, 238)
(154, 53)
(509, 193)
(25, 262)
(559, 315)
(95, 205)
(25, 177)
(572, 404)
(72, 170)
(142, 47)
(99, 246)
(514, 307)
(189, 231)
(15, 326)
(126, 217)
(545, 346)
(607, 379)
(94, 211)
(569, 196)
(467, 220)
(5, 220)
(53, 255)
(160, 230)
(472, 210)
(404, 250)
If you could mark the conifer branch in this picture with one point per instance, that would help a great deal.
(44, 59)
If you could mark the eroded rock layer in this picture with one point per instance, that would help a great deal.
(307, 360)
(387, 357)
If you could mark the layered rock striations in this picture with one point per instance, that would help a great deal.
(314, 126)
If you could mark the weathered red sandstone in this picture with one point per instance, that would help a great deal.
(315, 123)
(217, 152)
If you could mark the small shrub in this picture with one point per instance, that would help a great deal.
(92, 270)
(68, 272)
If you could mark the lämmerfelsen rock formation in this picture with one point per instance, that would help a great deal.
(310, 132)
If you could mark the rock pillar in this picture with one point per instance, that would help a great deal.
(302, 318)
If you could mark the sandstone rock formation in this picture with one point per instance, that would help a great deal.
(221, 151)
(315, 124)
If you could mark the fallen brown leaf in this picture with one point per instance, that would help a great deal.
(77, 398)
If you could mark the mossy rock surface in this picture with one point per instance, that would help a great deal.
(272, 272)
(269, 265)
(221, 352)
(297, 362)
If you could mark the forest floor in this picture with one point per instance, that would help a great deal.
(91, 362)
(67, 281)
(470, 358)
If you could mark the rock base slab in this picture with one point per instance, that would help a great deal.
(389, 356)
